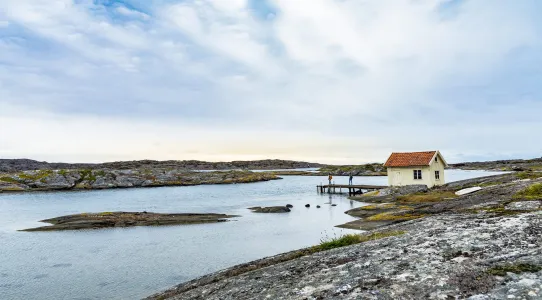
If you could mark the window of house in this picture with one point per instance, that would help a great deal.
(436, 158)
(437, 175)
(417, 174)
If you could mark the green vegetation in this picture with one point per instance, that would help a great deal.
(39, 175)
(528, 175)
(8, 179)
(86, 174)
(100, 173)
(351, 239)
(432, 196)
(519, 268)
(533, 192)
(342, 241)
(63, 172)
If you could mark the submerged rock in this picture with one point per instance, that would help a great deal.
(126, 219)
(270, 209)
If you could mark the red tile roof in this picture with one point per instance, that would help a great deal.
(407, 159)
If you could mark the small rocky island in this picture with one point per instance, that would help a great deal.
(270, 209)
(126, 219)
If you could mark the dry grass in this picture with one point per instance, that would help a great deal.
(379, 206)
(395, 216)
(371, 194)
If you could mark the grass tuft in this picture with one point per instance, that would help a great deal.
(528, 175)
(351, 239)
(533, 192)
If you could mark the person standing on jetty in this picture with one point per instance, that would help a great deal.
(350, 179)
(329, 177)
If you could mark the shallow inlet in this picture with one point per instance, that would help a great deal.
(130, 263)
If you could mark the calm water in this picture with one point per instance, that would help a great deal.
(128, 263)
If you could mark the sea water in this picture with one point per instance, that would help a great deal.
(131, 263)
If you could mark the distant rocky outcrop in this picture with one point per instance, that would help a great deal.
(78, 179)
(14, 165)
(502, 165)
(374, 169)
(126, 219)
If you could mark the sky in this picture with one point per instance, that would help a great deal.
(331, 81)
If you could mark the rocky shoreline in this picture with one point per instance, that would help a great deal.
(482, 245)
(126, 219)
(85, 179)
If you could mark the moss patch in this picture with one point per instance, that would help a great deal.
(518, 268)
(432, 196)
(533, 192)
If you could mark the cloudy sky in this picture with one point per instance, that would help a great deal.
(335, 81)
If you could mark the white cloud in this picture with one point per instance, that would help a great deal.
(123, 10)
(343, 79)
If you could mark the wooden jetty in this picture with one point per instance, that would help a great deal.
(352, 189)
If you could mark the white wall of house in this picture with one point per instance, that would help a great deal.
(405, 175)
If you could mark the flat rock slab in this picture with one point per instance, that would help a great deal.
(270, 209)
(366, 225)
(468, 191)
(126, 219)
